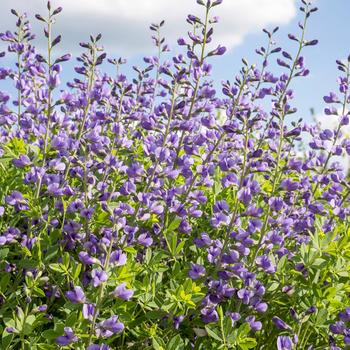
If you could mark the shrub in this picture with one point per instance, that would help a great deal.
(150, 212)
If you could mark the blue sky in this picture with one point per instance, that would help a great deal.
(124, 24)
(331, 26)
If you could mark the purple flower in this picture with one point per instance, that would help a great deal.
(109, 327)
(245, 295)
(98, 347)
(76, 296)
(54, 80)
(235, 316)
(98, 277)
(16, 199)
(118, 258)
(280, 324)
(203, 241)
(245, 195)
(196, 271)
(88, 311)
(86, 259)
(276, 203)
(220, 50)
(254, 325)
(145, 240)
(209, 315)
(331, 98)
(265, 263)
(68, 337)
(221, 206)
(177, 320)
(284, 343)
(42, 308)
(22, 161)
(122, 292)
(345, 315)
(338, 327)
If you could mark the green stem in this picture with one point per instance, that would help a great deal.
(48, 111)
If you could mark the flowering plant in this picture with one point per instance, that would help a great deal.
(153, 212)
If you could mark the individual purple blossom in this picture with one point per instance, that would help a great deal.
(109, 327)
(22, 161)
(177, 320)
(220, 50)
(254, 325)
(261, 307)
(86, 259)
(235, 316)
(245, 295)
(98, 347)
(203, 240)
(265, 263)
(68, 337)
(122, 292)
(196, 271)
(331, 98)
(11, 330)
(276, 203)
(280, 324)
(245, 195)
(42, 308)
(98, 277)
(88, 311)
(54, 80)
(209, 315)
(345, 315)
(15, 198)
(284, 343)
(338, 327)
(76, 296)
(118, 258)
(145, 240)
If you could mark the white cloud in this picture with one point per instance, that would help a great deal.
(124, 23)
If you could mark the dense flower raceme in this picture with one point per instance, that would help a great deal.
(155, 212)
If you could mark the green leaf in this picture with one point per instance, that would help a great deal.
(321, 317)
(6, 339)
(71, 319)
(28, 325)
(158, 344)
(39, 292)
(180, 247)
(171, 240)
(76, 271)
(227, 325)
(176, 343)
(30, 319)
(5, 279)
(282, 263)
(243, 330)
(3, 253)
(58, 268)
(174, 225)
(214, 333)
(247, 343)
(50, 334)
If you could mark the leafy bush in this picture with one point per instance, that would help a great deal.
(151, 213)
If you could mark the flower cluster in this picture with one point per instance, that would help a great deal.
(340, 327)
(154, 211)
